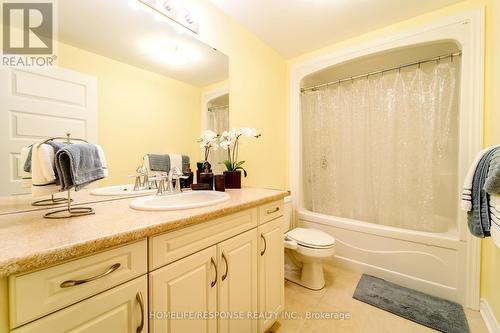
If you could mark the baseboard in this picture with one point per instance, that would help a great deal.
(488, 317)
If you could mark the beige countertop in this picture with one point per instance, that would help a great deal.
(23, 202)
(28, 241)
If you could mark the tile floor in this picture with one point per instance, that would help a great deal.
(337, 297)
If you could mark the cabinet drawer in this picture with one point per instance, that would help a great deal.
(39, 293)
(174, 245)
(122, 309)
(270, 211)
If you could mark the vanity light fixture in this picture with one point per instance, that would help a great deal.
(174, 12)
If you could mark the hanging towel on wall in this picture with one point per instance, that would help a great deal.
(492, 184)
(80, 164)
(157, 162)
(466, 197)
(42, 170)
(25, 175)
(495, 218)
(479, 217)
(185, 163)
(176, 161)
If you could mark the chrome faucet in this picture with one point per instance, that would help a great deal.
(168, 188)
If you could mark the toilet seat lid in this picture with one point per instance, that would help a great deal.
(311, 237)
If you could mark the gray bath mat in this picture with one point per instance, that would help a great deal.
(430, 311)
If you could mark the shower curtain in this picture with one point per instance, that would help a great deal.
(218, 121)
(383, 149)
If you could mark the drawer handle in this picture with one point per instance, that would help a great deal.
(224, 276)
(265, 244)
(72, 283)
(212, 260)
(270, 211)
(139, 299)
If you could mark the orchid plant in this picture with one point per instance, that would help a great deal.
(208, 141)
(229, 140)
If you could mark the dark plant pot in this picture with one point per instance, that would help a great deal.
(232, 179)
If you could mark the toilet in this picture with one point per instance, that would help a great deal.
(305, 251)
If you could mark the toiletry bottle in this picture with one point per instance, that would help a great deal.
(207, 176)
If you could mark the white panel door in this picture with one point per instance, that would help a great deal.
(39, 103)
(185, 288)
(271, 271)
(122, 309)
(238, 282)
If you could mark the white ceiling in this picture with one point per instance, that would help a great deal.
(294, 27)
(131, 33)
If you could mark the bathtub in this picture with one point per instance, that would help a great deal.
(429, 262)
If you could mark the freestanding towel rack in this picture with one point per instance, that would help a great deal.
(69, 211)
(49, 202)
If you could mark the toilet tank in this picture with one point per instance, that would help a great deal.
(287, 214)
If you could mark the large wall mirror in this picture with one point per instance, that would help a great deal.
(127, 78)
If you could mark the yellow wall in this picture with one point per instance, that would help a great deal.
(490, 267)
(257, 93)
(139, 111)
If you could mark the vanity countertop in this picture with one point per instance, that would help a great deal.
(28, 241)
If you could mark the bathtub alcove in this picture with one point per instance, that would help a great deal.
(380, 159)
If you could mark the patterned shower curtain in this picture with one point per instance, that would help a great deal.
(384, 149)
(218, 121)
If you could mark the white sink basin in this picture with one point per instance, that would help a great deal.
(120, 190)
(177, 201)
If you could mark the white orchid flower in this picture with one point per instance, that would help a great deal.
(248, 132)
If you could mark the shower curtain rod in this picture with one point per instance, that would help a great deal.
(213, 108)
(351, 78)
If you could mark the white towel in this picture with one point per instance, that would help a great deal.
(102, 157)
(176, 161)
(25, 176)
(42, 171)
(466, 196)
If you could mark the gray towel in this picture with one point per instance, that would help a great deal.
(478, 218)
(492, 184)
(185, 163)
(159, 162)
(78, 165)
(56, 146)
(27, 163)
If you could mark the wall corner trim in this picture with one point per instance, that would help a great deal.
(489, 317)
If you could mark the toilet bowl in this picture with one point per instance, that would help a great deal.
(305, 251)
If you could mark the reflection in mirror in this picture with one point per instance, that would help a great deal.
(218, 121)
(126, 78)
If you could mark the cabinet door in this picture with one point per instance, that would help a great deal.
(237, 259)
(122, 309)
(183, 290)
(271, 271)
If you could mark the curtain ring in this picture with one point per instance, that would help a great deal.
(419, 64)
(451, 57)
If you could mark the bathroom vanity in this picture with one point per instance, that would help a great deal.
(210, 269)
